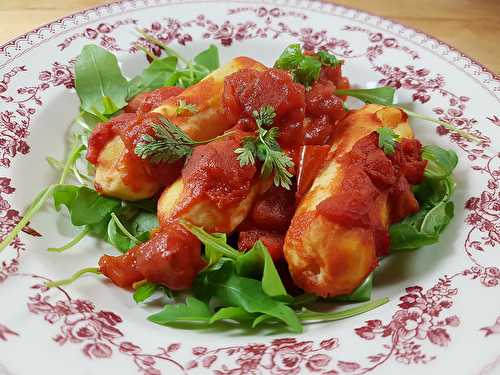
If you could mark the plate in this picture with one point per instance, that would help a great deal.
(444, 309)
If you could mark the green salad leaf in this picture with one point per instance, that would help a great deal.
(144, 291)
(161, 72)
(378, 95)
(434, 196)
(99, 82)
(232, 313)
(305, 69)
(361, 294)
(440, 162)
(257, 263)
(194, 310)
(233, 290)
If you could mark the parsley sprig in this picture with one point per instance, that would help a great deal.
(387, 139)
(265, 148)
(184, 107)
(169, 144)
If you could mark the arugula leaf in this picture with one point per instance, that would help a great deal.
(208, 58)
(308, 315)
(99, 82)
(424, 227)
(379, 95)
(440, 162)
(257, 263)
(290, 58)
(212, 254)
(387, 139)
(361, 294)
(64, 195)
(158, 74)
(144, 291)
(211, 240)
(91, 208)
(328, 59)
(237, 291)
(193, 310)
(143, 222)
(118, 238)
(307, 71)
(232, 313)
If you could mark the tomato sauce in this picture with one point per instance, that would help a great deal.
(311, 160)
(271, 239)
(172, 257)
(131, 127)
(370, 178)
(147, 101)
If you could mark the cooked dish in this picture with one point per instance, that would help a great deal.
(245, 193)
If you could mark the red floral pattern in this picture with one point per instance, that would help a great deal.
(418, 321)
(5, 332)
(494, 329)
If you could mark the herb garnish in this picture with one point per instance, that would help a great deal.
(387, 139)
(305, 69)
(185, 107)
(265, 148)
(171, 143)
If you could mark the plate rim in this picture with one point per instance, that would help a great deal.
(13, 42)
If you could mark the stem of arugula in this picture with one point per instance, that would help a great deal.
(448, 126)
(35, 206)
(205, 237)
(164, 47)
(123, 229)
(80, 236)
(337, 315)
(42, 197)
(145, 50)
(73, 156)
(73, 278)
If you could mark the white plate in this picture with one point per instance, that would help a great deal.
(444, 313)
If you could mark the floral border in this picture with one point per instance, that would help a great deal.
(418, 317)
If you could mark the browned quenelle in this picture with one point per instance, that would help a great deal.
(341, 225)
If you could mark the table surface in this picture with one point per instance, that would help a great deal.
(469, 25)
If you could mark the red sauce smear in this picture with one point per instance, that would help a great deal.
(172, 257)
(370, 176)
(131, 127)
(311, 161)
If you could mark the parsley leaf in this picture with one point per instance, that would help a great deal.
(265, 148)
(387, 139)
(185, 107)
(247, 152)
(304, 69)
(265, 116)
(170, 144)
